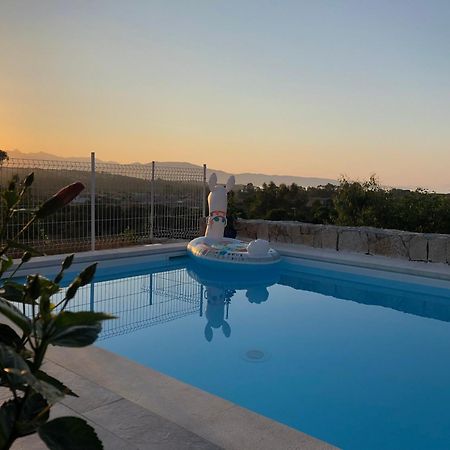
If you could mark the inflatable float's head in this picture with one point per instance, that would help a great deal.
(217, 202)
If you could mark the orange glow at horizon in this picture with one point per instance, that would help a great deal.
(307, 90)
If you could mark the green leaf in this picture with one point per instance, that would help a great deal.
(76, 329)
(73, 288)
(18, 374)
(15, 316)
(39, 286)
(69, 433)
(67, 261)
(10, 197)
(28, 181)
(49, 286)
(14, 292)
(7, 414)
(6, 263)
(27, 248)
(26, 257)
(13, 368)
(54, 382)
(87, 274)
(69, 318)
(34, 412)
(33, 286)
(9, 337)
(76, 336)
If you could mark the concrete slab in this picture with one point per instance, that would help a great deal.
(144, 429)
(91, 395)
(110, 440)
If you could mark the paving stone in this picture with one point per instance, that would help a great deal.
(235, 422)
(5, 394)
(145, 429)
(91, 395)
(110, 441)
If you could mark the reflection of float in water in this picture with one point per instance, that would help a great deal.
(221, 286)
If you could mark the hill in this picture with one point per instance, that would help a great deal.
(241, 178)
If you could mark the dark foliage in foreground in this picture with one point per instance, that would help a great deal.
(34, 322)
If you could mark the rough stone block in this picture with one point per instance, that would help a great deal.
(279, 232)
(437, 249)
(246, 229)
(262, 230)
(387, 244)
(353, 240)
(418, 248)
(329, 237)
(288, 231)
(306, 239)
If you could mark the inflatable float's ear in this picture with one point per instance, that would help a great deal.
(212, 181)
(230, 183)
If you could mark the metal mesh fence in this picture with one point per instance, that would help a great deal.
(132, 204)
(178, 201)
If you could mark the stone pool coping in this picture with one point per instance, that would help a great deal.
(134, 407)
(190, 417)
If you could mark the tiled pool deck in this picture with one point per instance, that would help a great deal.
(134, 407)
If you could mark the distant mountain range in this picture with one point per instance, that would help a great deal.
(241, 178)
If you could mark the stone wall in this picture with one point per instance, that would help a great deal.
(367, 240)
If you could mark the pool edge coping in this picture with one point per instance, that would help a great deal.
(215, 419)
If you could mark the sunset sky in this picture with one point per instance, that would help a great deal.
(308, 88)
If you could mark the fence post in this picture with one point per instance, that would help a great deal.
(92, 201)
(152, 201)
(204, 192)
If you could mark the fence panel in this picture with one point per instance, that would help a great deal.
(122, 204)
(122, 209)
(65, 231)
(178, 201)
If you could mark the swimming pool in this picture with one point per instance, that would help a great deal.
(360, 360)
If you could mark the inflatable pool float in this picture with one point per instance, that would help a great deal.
(213, 248)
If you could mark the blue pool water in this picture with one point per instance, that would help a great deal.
(358, 361)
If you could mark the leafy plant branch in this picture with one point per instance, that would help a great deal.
(26, 339)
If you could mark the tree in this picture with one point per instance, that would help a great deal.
(3, 157)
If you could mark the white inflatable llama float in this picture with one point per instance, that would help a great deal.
(214, 247)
